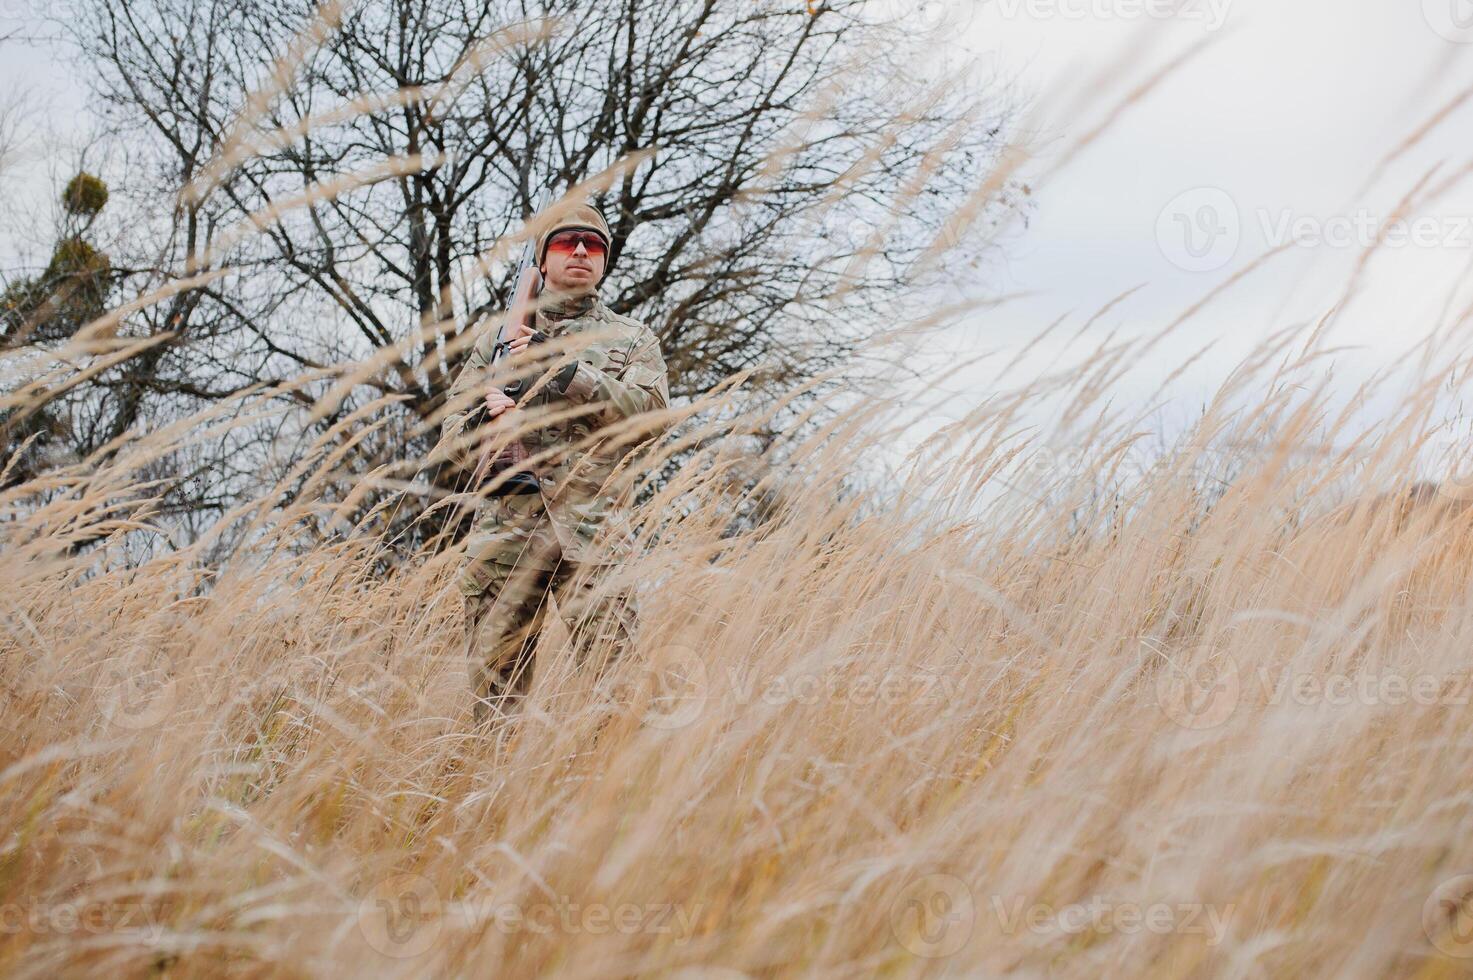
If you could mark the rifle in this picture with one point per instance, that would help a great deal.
(520, 310)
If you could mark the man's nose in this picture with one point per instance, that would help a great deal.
(578, 249)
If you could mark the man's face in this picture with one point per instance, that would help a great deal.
(574, 261)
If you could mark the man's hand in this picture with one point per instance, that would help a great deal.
(498, 402)
(521, 337)
(522, 305)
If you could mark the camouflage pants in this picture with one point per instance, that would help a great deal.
(503, 622)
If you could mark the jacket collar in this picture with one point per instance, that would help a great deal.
(555, 310)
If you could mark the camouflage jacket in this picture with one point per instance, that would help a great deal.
(577, 514)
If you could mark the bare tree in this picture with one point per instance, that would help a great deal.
(778, 178)
(12, 129)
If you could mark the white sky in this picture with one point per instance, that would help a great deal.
(1286, 115)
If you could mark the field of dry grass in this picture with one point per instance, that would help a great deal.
(1214, 722)
(1046, 704)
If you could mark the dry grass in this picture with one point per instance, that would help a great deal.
(865, 740)
(1023, 718)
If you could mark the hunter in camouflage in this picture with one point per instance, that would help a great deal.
(557, 546)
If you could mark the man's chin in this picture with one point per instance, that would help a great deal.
(579, 284)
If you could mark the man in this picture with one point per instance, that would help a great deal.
(556, 546)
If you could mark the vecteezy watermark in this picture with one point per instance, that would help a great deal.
(41, 11)
(1101, 915)
(1202, 229)
(950, 18)
(145, 687)
(403, 917)
(1211, 14)
(1447, 917)
(39, 918)
(923, 19)
(1368, 689)
(840, 685)
(672, 687)
(565, 916)
(933, 916)
(140, 690)
(1199, 690)
(1452, 454)
(1365, 229)
(1451, 19)
(1193, 466)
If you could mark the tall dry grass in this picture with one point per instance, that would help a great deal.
(1011, 714)
(1205, 723)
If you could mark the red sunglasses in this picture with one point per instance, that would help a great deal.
(567, 242)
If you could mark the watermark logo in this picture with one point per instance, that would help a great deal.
(924, 19)
(1200, 230)
(936, 468)
(675, 687)
(145, 689)
(359, 679)
(1458, 483)
(1102, 915)
(1451, 19)
(1455, 456)
(933, 916)
(37, 918)
(1212, 15)
(1365, 229)
(938, 18)
(401, 917)
(1366, 689)
(566, 916)
(889, 688)
(1199, 691)
(864, 235)
(1447, 917)
(1193, 466)
(948, 19)
(141, 691)
(42, 11)
(676, 684)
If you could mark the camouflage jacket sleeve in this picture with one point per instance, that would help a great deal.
(639, 385)
(453, 426)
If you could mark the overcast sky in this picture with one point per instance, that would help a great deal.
(1275, 129)
(1274, 132)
